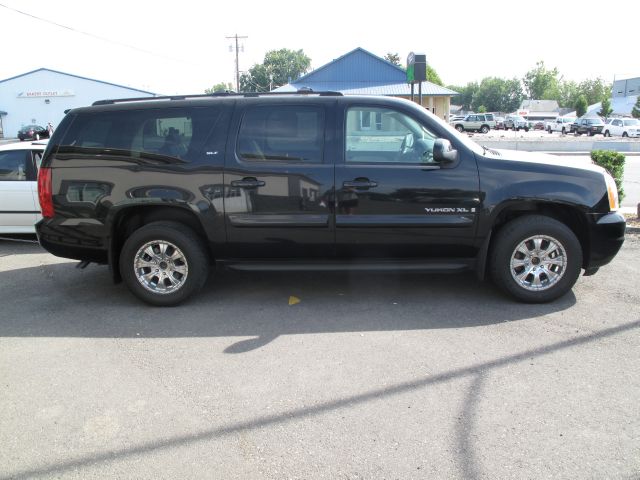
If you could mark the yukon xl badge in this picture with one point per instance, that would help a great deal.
(449, 210)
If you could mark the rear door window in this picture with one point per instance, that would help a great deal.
(13, 165)
(284, 133)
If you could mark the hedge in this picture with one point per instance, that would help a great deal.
(613, 162)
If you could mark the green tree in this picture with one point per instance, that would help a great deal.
(605, 108)
(433, 77)
(393, 58)
(497, 95)
(594, 90)
(219, 87)
(278, 68)
(636, 109)
(569, 94)
(581, 105)
(541, 83)
(482, 109)
(465, 94)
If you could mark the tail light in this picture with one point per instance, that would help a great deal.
(45, 192)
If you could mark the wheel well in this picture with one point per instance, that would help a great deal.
(130, 219)
(570, 216)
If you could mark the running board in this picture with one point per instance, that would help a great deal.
(389, 265)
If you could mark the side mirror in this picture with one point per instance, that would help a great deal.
(443, 152)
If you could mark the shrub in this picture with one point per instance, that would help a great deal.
(613, 162)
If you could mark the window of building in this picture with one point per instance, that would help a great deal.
(289, 133)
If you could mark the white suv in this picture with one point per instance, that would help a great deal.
(19, 206)
(622, 127)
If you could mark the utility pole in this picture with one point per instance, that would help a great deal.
(237, 60)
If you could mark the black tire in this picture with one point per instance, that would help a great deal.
(606, 133)
(188, 243)
(513, 235)
(564, 131)
(625, 134)
(484, 129)
(460, 128)
(526, 129)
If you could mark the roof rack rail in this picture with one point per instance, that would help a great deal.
(302, 91)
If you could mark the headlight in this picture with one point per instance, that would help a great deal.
(612, 192)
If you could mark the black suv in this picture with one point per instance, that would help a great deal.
(162, 189)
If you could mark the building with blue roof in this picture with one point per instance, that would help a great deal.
(360, 72)
(41, 96)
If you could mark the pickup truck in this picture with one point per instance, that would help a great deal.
(164, 190)
(560, 124)
(476, 122)
(589, 125)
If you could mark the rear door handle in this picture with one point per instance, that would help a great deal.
(360, 183)
(248, 182)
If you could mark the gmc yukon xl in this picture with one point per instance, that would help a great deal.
(164, 189)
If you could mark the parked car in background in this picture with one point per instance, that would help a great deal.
(622, 127)
(589, 125)
(515, 122)
(19, 208)
(538, 125)
(32, 132)
(476, 122)
(560, 124)
(499, 123)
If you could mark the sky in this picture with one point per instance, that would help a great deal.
(181, 47)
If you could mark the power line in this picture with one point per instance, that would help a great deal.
(104, 39)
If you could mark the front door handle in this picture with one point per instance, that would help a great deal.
(248, 182)
(362, 183)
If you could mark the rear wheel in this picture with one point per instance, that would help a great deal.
(484, 129)
(164, 263)
(535, 258)
(625, 134)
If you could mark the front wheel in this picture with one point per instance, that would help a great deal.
(535, 258)
(164, 263)
(625, 134)
(460, 128)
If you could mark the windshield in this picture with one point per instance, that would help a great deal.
(594, 121)
(630, 123)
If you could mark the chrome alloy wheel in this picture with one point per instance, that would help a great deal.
(160, 267)
(538, 263)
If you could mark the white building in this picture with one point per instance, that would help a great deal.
(42, 96)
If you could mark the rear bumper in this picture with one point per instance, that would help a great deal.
(606, 239)
(71, 242)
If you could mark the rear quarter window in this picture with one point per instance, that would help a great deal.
(182, 133)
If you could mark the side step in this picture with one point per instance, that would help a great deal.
(360, 265)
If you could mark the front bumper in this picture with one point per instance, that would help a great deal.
(606, 239)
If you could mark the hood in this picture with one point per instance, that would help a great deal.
(544, 159)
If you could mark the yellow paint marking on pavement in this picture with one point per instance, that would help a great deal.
(293, 300)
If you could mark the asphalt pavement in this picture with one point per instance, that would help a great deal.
(316, 376)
